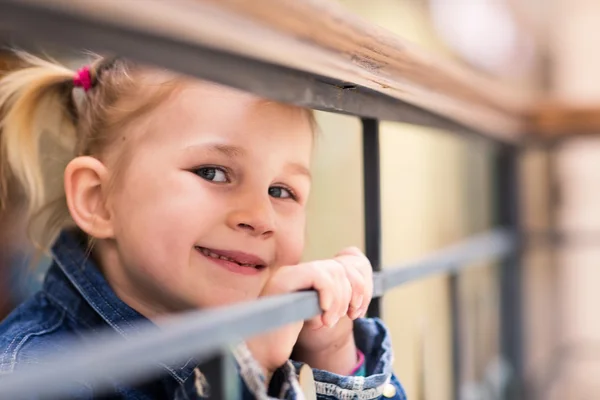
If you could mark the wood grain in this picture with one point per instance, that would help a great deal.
(323, 38)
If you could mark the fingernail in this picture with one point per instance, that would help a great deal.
(351, 312)
(360, 302)
(354, 313)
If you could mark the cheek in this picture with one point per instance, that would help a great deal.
(291, 240)
(159, 218)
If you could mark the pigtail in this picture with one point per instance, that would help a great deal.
(36, 110)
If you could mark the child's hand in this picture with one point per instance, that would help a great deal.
(344, 285)
(331, 347)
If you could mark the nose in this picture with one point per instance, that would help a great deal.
(253, 215)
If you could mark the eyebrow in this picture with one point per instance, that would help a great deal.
(227, 150)
(236, 151)
(299, 169)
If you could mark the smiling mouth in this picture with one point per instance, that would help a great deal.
(212, 254)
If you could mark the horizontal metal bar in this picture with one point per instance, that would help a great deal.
(495, 244)
(202, 334)
(27, 24)
(565, 237)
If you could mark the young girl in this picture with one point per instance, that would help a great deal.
(177, 194)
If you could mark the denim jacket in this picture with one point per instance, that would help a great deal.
(76, 299)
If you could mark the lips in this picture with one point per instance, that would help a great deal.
(239, 258)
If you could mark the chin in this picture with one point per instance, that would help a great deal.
(229, 297)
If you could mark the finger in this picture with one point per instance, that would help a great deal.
(357, 283)
(367, 299)
(344, 290)
(347, 296)
(358, 270)
(300, 277)
(328, 296)
(336, 273)
(345, 287)
(352, 257)
(351, 251)
(367, 272)
(341, 289)
(315, 323)
(363, 312)
(358, 262)
(367, 292)
(326, 285)
(310, 275)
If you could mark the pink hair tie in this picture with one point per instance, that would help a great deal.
(83, 78)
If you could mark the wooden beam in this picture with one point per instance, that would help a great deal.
(322, 38)
(557, 121)
(8, 61)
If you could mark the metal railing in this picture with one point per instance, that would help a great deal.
(108, 356)
(69, 24)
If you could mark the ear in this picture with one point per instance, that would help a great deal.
(86, 182)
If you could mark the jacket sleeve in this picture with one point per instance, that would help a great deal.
(379, 382)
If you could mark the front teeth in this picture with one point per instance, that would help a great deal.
(209, 253)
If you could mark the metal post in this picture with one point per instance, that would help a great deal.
(222, 378)
(553, 247)
(511, 305)
(543, 383)
(456, 336)
(372, 197)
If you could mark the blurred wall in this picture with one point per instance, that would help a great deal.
(574, 43)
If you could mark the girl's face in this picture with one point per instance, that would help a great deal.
(211, 200)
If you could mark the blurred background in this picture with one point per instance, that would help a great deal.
(437, 189)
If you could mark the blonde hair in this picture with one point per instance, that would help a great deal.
(40, 109)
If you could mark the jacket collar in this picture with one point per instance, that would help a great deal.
(89, 286)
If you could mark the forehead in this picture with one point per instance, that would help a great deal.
(201, 111)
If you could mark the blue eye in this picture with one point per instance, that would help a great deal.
(212, 174)
(280, 193)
